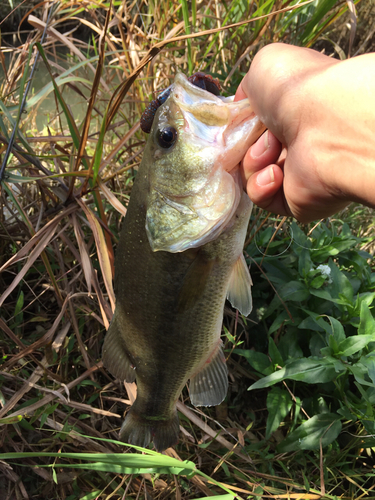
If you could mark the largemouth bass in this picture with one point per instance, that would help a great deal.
(179, 257)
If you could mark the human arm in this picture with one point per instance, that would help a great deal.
(323, 112)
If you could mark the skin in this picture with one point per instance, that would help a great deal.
(319, 151)
(169, 305)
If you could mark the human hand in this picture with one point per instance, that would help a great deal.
(321, 110)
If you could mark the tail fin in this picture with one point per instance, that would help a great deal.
(139, 431)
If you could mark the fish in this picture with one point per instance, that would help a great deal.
(179, 257)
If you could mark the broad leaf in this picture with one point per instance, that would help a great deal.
(295, 291)
(340, 283)
(309, 370)
(274, 353)
(354, 344)
(305, 263)
(367, 321)
(323, 428)
(259, 361)
(337, 336)
(279, 403)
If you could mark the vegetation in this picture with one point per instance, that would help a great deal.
(306, 427)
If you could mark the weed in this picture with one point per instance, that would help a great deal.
(305, 429)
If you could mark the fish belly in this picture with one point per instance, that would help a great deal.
(167, 323)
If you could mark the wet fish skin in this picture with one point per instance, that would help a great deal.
(169, 304)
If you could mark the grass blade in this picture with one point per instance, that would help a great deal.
(103, 254)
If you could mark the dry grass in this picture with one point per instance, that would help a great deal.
(65, 191)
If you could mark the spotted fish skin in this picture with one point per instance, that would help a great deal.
(171, 288)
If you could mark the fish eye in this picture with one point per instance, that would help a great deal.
(166, 137)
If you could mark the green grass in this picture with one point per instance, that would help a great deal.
(305, 428)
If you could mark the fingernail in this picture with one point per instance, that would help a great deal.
(266, 177)
(260, 146)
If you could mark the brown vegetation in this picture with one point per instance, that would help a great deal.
(65, 189)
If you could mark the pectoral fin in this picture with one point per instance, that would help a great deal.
(209, 387)
(115, 358)
(239, 290)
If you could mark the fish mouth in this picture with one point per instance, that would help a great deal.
(217, 120)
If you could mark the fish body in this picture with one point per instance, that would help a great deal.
(179, 257)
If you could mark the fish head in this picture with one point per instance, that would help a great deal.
(196, 143)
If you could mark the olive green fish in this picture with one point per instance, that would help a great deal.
(179, 257)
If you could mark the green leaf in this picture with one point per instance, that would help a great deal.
(311, 323)
(304, 263)
(333, 249)
(288, 345)
(318, 324)
(345, 412)
(294, 291)
(18, 314)
(322, 9)
(92, 495)
(367, 297)
(227, 496)
(340, 283)
(322, 294)
(150, 462)
(370, 363)
(354, 344)
(359, 371)
(299, 237)
(120, 468)
(337, 336)
(274, 353)
(305, 482)
(316, 344)
(277, 272)
(366, 442)
(323, 428)
(278, 321)
(367, 321)
(229, 336)
(309, 370)
(318, 281)
(10, 420)
(43, 419)
(259, 361)
(279, 403)
(337, 329)
(365, 366)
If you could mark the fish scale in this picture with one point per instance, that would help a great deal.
(171, 290)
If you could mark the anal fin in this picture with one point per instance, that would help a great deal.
(115, 358)
(209, 386)
(239, 290)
